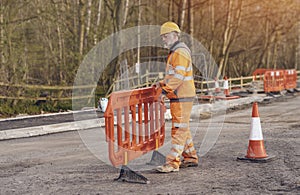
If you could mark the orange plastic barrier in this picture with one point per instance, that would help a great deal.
(274, 81)
(290, 79)
(259, 72)
(140, 124)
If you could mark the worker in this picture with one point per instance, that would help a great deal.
(178, 86)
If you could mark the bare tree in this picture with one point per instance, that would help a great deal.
(212, 25)
(3, 77)
(44, 42)
(181, 14)
(88, 22)
(126, 11)
(170, 10)
(297, 56)
(81, 14)
(233, 20)
(98, 21)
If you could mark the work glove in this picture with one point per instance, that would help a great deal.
(172, 95)
(158, 84)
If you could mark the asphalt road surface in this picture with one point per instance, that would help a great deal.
(62, 164)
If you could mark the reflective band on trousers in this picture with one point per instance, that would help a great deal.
(180, 125)
(191, 149)
(190, 68)
(177, 147)
(171, 72)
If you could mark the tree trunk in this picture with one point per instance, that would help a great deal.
(170, 10)
(191, 23)
(226, 38)
(1, 35)
(269, 51)
(117, 12)
(232, 25)
(233, 31)
(81, 10)
(182, 8)
(126, 11)
(297, 55)
(212, 25)
(275, 49)
(61, 62)
(88, 23)
(3, 71)
(264, 56)
(97, 22)
(139, 36)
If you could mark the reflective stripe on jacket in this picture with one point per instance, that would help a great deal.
(179, 80)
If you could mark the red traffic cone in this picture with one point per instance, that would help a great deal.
(226, 87)
(256, 149)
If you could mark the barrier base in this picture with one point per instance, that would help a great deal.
(128, 175)
(257, 160)
(227, 97)
(157, 159)
(297, 90)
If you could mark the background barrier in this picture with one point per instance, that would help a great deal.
(290, 79)
(274, 81)
(140, 124)
(259, 73)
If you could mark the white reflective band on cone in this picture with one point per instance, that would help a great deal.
(256, 133)
(225, 85)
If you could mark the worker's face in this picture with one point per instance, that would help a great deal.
(169, 39)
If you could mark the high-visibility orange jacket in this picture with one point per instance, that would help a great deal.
(179, 81)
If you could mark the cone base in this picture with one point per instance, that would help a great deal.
(256, 149)
(257, 160)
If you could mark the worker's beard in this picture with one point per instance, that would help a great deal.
(168, 45)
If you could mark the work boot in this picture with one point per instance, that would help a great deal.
(185, 164)
(166, 169)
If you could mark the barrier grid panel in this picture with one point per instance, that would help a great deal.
(134, 124)
(290, 79)
(274, 81)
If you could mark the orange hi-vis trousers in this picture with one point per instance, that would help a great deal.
(182, 143)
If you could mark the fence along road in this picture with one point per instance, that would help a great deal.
(59, 122)
(148, 78)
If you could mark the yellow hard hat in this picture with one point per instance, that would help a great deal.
(169, 27)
